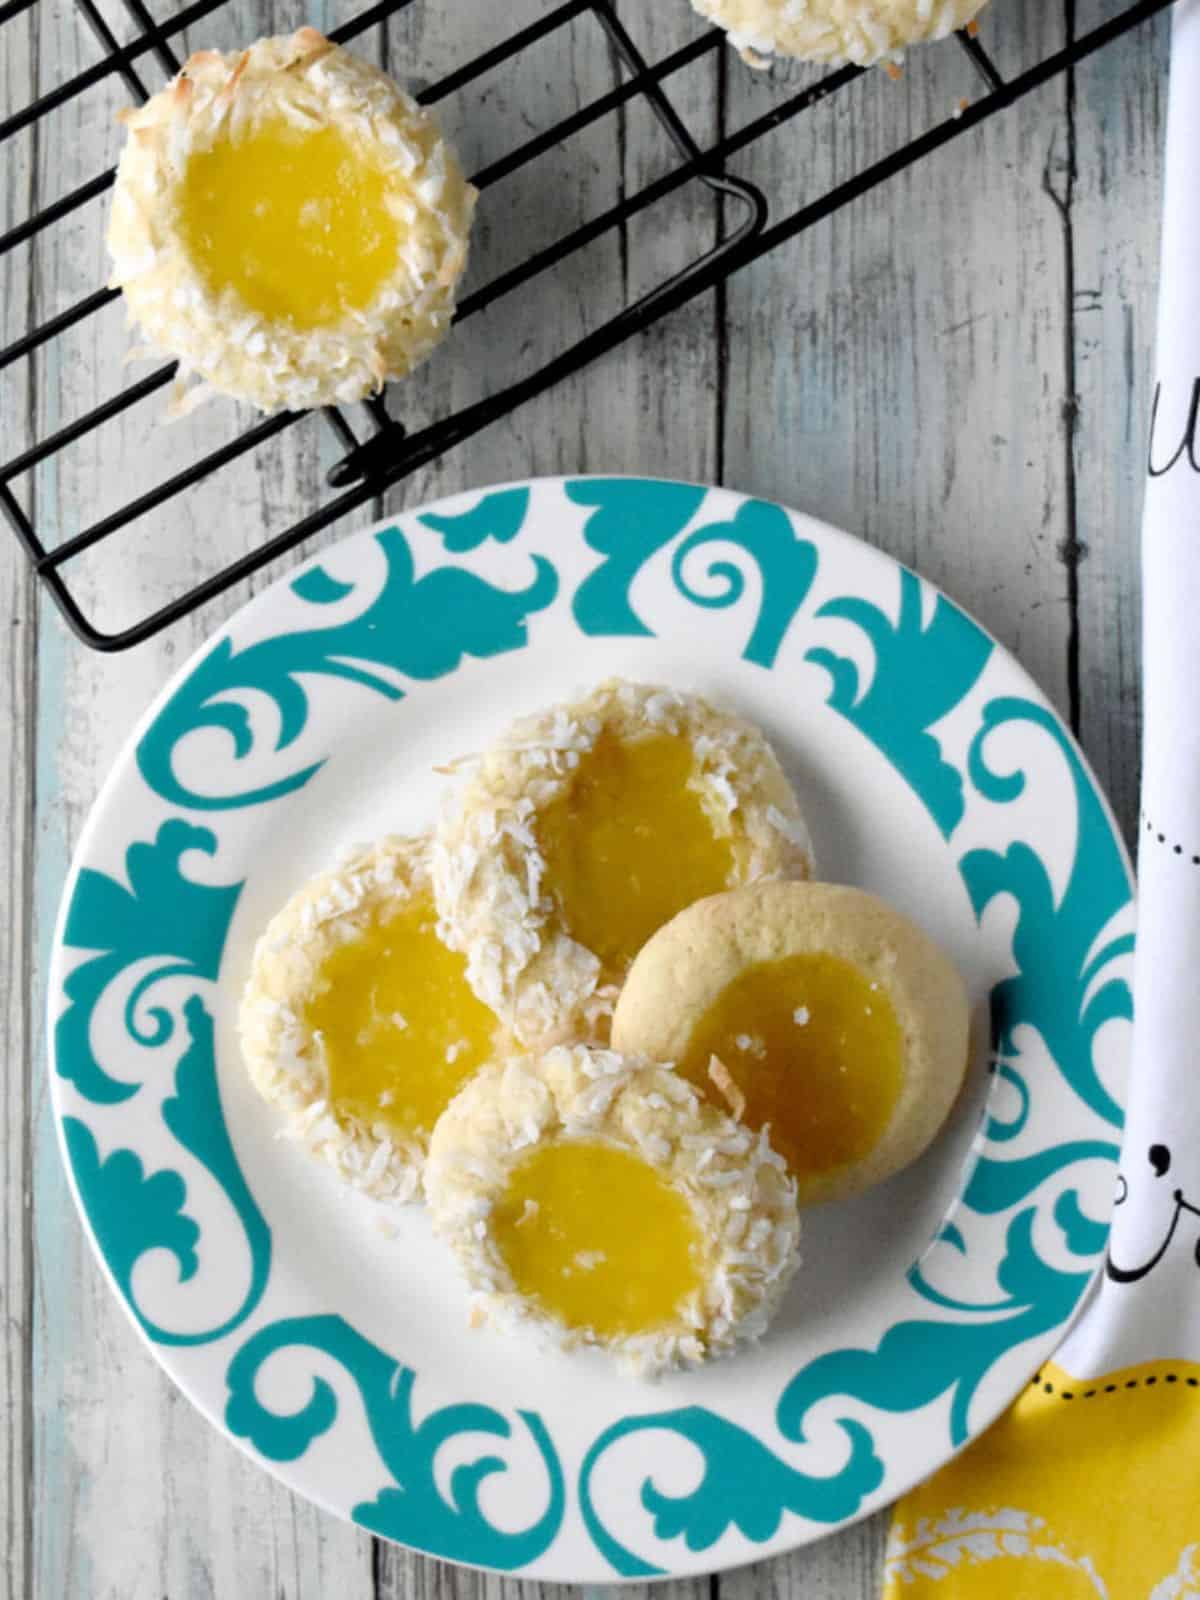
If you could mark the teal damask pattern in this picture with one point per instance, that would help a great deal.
(498, 516)
(132, 1212)
(115, 1191)
(179, 925)
(422, 627)
(744, 1486)
(786, 563)
(633, 521)
(1054, 941)
(917, 1362)
(412, 1508)
(921, 673)
(161, 915)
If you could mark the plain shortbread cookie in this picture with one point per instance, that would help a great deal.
(685, 967)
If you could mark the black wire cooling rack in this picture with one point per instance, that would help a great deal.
(389, 452)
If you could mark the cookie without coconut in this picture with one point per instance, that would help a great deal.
(588, 826)
(815, 1008)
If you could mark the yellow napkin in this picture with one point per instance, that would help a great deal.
(1084, 1488)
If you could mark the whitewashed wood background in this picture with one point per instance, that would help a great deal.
(955, 368)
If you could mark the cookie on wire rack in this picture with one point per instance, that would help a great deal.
(835, 31)
(289, 224)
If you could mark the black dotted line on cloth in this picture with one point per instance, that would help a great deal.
(1110, 1388)
(1177, 849)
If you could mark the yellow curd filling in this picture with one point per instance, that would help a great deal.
(402, 1030)
(296, 223)
(598, 1239)
(629, 844)
(815, 1047)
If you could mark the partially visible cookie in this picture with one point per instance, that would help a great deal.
(358, 1022)
(587, 827)
(812, 1009)
(859, 31)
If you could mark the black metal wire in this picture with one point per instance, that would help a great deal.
(118, 61)
(389, 452)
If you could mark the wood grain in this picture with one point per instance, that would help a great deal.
(18, 689)
(1118, 112)
(954, 367)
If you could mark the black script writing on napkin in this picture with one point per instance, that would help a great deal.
(1163, 465)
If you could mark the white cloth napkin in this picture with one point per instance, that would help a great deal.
(1157, 1314)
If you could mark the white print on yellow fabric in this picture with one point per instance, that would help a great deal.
(1184, 1582)
(961, 1539)
(1065, 1498)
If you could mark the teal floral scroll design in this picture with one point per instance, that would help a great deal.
(633, 521)
(499, 516)
(921, 673)
(132, 1212)
(1055, 988)
(412, 1509)
(180, 925)
(996, 1186)
(787, 563)
(744, 1485)
(129, 1211)
(920, 1360)
(422, 627)
(160, 915)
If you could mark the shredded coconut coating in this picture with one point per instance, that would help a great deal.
(859, 31)
(283, 1057)
(232, 349)
(738, 1187)
(489, 872)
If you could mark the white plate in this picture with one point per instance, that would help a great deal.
(337, 1350)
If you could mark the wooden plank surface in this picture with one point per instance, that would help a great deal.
(1117, 118)
(954, 368)
(18, 694)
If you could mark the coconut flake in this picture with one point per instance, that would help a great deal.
(722, 1080)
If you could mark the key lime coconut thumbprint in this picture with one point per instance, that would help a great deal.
(597, 1199)
(359, 1022)
(825, 1015)
(858, 31)
(289, 224)
(589, 826)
